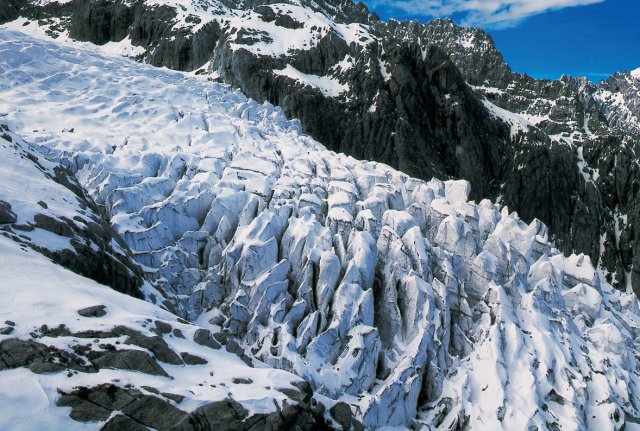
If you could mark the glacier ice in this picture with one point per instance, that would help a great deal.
(399, 297)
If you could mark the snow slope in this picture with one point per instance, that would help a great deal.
(395, 296)
(38, 292)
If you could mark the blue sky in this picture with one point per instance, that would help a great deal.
(543, 38)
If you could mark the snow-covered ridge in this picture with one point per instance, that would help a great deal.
(393, 295)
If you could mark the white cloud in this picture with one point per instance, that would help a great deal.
(484, 13)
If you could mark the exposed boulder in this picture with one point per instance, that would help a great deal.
(205, 338)
(135, 360)
(93, 311)
(190, 359)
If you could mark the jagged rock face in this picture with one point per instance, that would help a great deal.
(400, 301)
(10, 10)
(471, 49)
(555, 106)
(599, 123)
(619, 186)
(621, 113)
(382, 91)
(416, 115)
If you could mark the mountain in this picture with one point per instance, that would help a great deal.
(286, 286)
(433, 100)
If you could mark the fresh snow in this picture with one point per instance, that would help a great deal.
(124, 48)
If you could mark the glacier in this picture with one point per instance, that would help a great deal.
(430, 99)
(396, 299)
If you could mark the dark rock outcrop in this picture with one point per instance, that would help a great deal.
(111, 358)
(190, 359)
(6, 215)
(342, 414)
(158, 346)
(93, 311)
(205, 338)
(38, 357)
(134, 360)
(229, 415)
(137, 410)
(10, 9)
(120, 422)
